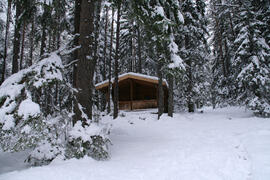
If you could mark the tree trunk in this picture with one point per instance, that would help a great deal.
(58, 35)
(190, 103)
(133, 64)
(103, 97)
(76, 39)
(130, 66)
(116, 88)
(58, 28)
(96, 94)
(86, 64)
(170, 100)
(105, 45)
(44, 28)
(32, 41)
(6, 41)
(227, 58)
(132, 48)
(160, 91)
(232, 27)
(96, 47)
(43, 40)
(139, 51)
(56, 96)
(96, 33)
(22, 46)
(53, 38)
(17, 38)
(220, 50)
(110, 64)
(51, 41)
(96, 29)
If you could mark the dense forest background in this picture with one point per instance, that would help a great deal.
(213, 53)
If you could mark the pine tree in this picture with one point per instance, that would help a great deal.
(110, 63)
(95, 146)
(6, 41)
(222, 24)
(31, 121)
(264, 17)
(45, 18)
(17, 36)
(43, 27)
(161, 20)
(251, 61)
(77, 8)
(116, 66)
(104, 52)
(128, 39)
(194, 52)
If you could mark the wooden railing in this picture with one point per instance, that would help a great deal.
(137, 104)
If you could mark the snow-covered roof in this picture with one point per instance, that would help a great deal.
(132, 75)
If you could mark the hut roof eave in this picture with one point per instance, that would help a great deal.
(132, 75)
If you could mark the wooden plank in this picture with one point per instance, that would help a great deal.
(139, 104)
(144, 83)
(131, 93)
(157, 93)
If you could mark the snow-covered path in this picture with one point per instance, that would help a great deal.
(223, 144)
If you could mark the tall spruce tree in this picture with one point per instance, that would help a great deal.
(6, 40)
(222, 24)
(83, 105)
(116, 61)
(241, 54)
(194, 52)
(160, 19)
(17, 36)
(252, 59)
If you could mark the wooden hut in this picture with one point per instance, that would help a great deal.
(136, 91)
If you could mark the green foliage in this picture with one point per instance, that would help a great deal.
(241, 54)
(193, 84)
(161, 21)
(251, 61)
(90, 139)
(26, 121)
(97, 148)
(52, 141)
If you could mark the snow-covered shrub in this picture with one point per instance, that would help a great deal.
(254, 86)
(20, 110)
(53, 143)
(260, 107)
(27, 103)
(36, 114)
(44, 153)
(91, 140)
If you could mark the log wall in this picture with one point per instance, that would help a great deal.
(137, 104)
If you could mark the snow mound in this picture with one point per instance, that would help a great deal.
(19, 85)
(28, 109)
(85, 133)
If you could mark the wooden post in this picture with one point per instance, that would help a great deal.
(107, 96)
(156, 94)
(131, 93)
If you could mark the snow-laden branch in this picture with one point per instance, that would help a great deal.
(227, 5)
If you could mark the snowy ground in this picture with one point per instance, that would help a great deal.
(222, 144)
